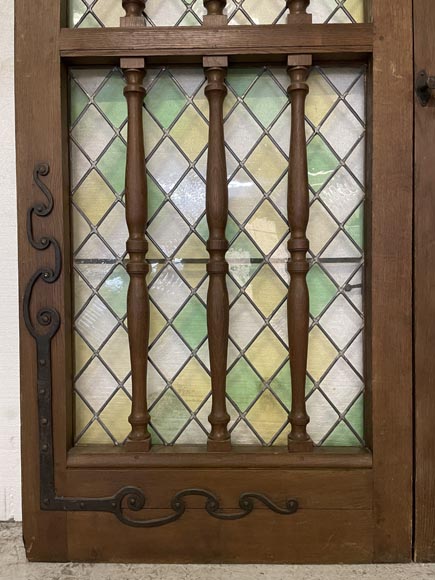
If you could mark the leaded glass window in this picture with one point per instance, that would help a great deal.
(257, 122)
(96, 13)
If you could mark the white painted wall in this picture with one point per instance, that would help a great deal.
(10, 485)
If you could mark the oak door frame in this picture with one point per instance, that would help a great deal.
(424, 291)
(363, 498)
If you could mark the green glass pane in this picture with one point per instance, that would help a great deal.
(191, 322)
(78, 102)
(241, 79)
(321, 163)
(321, 288)
(266, 99)
(165, 101)
(169, 416)
(111, 101)
(190, 20)
(114, 290)
(113, 164)
(282, 385)
(355, 416)
(243, 385)
(155, 197)
(342, 436)
(355, 226)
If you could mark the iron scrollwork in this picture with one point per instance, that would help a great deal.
(43, 327)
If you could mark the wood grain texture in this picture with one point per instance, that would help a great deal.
(136, 207)
(298, 301)
(309, 536)
(424, 291)
(218, 307)
(390, 264)
(41, 138)
(340, 39)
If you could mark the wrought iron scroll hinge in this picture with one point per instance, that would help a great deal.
(43, 326)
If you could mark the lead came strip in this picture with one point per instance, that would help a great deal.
(298, 245)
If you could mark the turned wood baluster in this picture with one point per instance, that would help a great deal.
(136, 214)
(298, 214)
(217, 268)
(298, 12)
(133, 13)
(215, 13)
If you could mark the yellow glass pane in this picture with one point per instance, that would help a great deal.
(191, 133)
(82, 353)
(266, 227)
(267, 164)
(157, 322)
(115, 416)
(94, 197)
(193, 384)
(266, 354)
(266, 290)
(267, 416)
(95, 435)
(82, 414)
(321, 353)
(116, 354)
(320, 98)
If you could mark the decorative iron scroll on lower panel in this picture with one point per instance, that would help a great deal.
(101, 13)
(43, 331)
(257, 131)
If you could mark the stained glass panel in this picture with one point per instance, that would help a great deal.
(257, 129)
(101, 13)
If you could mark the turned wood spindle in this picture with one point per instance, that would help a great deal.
(298, 12)
(217, 267)
(133, 13)
(215, 13)
(298, 245)
(138, 313)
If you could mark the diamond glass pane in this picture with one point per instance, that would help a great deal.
(257, 128)
(100, 13)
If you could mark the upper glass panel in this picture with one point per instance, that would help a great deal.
(257, 133)
(101, 13)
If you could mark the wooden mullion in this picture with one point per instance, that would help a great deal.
(298, 311)
(318, 39)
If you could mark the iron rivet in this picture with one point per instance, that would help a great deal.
(133, 501)
(113, 504)
(42, 392)
(82, 505)
(46, 501)
(44, 421)
(42, 362)
(45, 447)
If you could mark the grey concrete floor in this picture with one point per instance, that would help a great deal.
(13, 566)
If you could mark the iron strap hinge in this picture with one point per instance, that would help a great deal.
(424, 85)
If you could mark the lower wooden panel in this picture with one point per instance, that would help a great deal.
(309, 536)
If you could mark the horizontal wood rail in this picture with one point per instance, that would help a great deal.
(246, 456)
(328, 40)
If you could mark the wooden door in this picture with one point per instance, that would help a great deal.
(255, 481)
(424, 20)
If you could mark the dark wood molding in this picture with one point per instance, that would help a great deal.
(183, 456)
(298, 302)
(136, 204)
